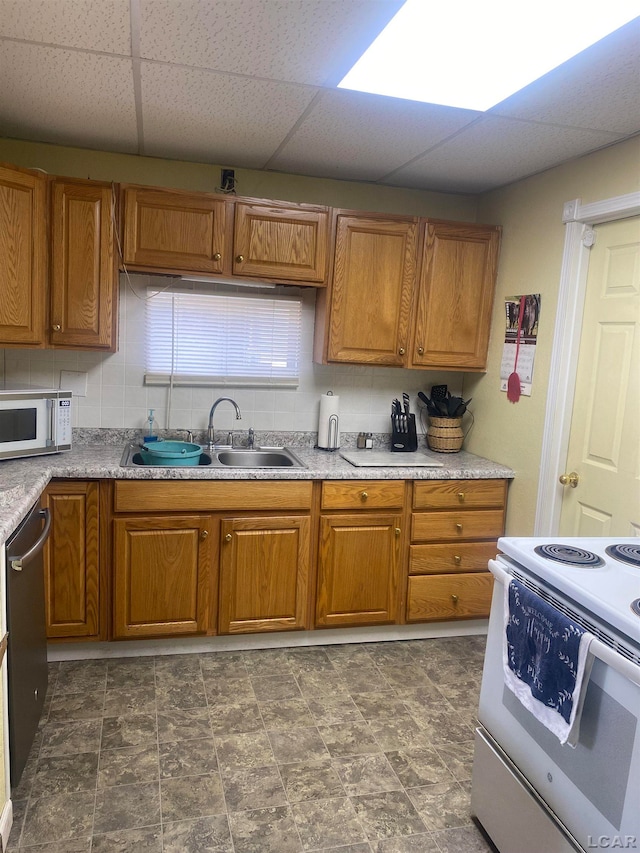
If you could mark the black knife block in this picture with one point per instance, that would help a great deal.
(404, 442)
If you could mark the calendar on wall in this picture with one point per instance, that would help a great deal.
(522, 314)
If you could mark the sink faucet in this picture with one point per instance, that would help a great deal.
(211, 413)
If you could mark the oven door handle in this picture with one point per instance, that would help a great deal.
(628, 669)
(16, 561)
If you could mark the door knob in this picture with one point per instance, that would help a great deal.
(420, 350)
(217, 256)
(228, 537)
(571, 479)
(401, 350)
(239, 259)
(57, 327)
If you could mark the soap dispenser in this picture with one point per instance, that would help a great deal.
(151, 433)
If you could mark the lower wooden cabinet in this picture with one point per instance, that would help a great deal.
(452, 596)
(162, 576)
(73, 592)
(358, 570)
(264, 574)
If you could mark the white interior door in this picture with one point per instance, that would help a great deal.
(604, 443)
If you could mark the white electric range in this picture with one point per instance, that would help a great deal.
(530, 792)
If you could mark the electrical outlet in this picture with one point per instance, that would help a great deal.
(74, 381)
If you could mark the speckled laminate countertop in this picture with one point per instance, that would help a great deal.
(23, 481)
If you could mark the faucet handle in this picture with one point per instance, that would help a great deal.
(189, 436)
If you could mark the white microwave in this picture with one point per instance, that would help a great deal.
(34, 421)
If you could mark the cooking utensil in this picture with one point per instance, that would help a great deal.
(405, 402)
(438, 392)
(453, 404)
(443, 410)
(513, 382)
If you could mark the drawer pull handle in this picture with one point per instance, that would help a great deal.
(461, 497)
(204, 534)
(457, 559)
(364, 496)
(420, 350)
(459, 527)
(398, 531)
(454, 598)
(401, 351)
(228, 537)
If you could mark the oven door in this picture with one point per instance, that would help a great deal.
(592, 788)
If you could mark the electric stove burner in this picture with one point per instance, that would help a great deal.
(570, 556)
(635, 606)
(625, 553)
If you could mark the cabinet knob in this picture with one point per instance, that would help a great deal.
(398, 531)
(204, 534)
(420, 350)
(461, 497)
(401, 350)
(57, 327)
(457, 559)
(454, 598)
(459, 527)
(363, 496)
(228, 537)
(217, 256)
(239, 259)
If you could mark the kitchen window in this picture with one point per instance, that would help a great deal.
(213, 338)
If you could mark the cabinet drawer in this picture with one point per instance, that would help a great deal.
(450, 494)
(192, 495)
(439, 597)
(454, 557)
(366, 494)
(480, 524)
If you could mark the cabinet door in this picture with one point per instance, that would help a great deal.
(358, 570)
(71, 561)
(23, 254)
(280, 242)
(84, 281)
(175, 231)
(373, 281)
(161, 576)
(264, 574)
(455, 296)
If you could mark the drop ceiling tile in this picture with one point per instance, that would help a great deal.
(304, 41)
(216, 118)
(85, 24)
(599, 89)
(352, 135)
(494, 152)
(67, 97)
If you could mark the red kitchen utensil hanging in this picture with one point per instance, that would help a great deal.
(513, 383)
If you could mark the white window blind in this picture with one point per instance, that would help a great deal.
(222, 339)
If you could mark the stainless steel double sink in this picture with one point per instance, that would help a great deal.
(261, 457)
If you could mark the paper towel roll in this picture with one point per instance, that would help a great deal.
(329, 422)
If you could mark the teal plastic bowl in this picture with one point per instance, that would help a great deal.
(171, 453)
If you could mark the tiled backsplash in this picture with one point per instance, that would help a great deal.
(118, 398)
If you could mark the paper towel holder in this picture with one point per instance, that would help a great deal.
(332, 437)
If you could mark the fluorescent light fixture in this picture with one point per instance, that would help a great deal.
(473, 55)
(236, 282)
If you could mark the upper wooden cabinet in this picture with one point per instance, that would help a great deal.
(404, 301)
(23, 250)
(84, 274)
(455, 296)
(70, 301)
(370, 302)
(180, 232)
(278, 241)
(176, 231)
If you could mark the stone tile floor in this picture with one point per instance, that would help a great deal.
(345, 748)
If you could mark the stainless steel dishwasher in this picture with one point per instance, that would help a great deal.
(27, 646)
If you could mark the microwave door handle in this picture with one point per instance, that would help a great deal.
(16, 562)
(52, 440)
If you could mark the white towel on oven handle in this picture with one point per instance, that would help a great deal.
(566, 732)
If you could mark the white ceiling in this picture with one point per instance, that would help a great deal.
(250, 83)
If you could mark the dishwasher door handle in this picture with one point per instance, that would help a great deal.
(16, 562)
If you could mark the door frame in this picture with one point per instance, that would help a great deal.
(579, 220)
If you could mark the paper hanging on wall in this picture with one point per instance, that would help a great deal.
(527, 341)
